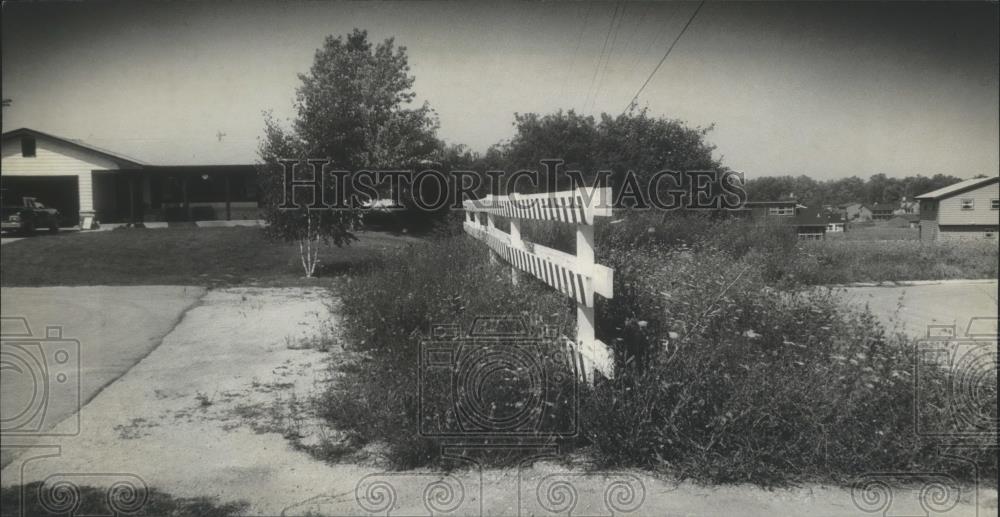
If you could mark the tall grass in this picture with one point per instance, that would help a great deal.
(724, 378)
(730, 367)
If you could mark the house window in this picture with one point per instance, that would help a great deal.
(781, 210)
(995, 204)
(968, 204)
(28, 146)
(811, 236)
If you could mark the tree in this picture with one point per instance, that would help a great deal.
(631, 142)
(353, 109)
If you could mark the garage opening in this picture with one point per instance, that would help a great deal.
(59, 192)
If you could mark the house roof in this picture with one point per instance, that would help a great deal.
(812, 217)
(120, 159)
(958, 188)
(771, 203)
(195, 169)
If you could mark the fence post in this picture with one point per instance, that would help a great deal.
(586, 333)
(515, 241)
(577, 276)
(491, 225)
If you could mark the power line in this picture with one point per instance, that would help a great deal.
(611, 26)
(611, 52)
(665, 55)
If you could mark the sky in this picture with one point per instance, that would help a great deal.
(829, 90)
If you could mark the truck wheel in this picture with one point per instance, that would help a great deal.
(54, 227)
(28, 229)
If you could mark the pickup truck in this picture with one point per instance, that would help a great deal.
(28, 216)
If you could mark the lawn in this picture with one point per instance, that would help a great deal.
(178, 256)
(846, 261)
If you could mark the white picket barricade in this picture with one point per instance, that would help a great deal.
(576, 276)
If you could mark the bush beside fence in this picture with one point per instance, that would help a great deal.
(731, 371)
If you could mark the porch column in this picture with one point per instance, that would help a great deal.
(131, 198)
(228, 212)
(184, 190)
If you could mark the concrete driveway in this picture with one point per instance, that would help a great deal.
(912, 308)
(62, 345)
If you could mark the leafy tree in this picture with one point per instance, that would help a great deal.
(353, 108)
(633, 141)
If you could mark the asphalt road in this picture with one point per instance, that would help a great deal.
(911, 309)
(62, 345)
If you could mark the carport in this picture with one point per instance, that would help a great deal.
(59, 192)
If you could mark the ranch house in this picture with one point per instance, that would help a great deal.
(968, 209)
(87, 184)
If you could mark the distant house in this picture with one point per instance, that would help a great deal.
(857, 212)
(812, 224)
(966, 210)
(883, 211)
(809, 223)
(85, 183)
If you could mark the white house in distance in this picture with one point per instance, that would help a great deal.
(85, 183)
(968, 209)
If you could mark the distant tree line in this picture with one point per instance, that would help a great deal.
(876, 189)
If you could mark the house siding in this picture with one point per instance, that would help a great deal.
(950, 209)
(967, 233)
(928, 230)
(55, 159)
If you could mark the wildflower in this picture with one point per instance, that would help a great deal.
(643, 323)
(751, 334)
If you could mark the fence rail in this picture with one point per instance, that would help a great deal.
(576, 276)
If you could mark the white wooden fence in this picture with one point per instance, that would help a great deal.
(576, 276)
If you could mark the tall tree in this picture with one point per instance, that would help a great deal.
(353, 107)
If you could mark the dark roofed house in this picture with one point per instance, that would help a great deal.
(811, 223)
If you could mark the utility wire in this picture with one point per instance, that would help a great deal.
(607, 61)
(665, 55)
(600, 58)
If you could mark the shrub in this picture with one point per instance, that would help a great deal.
(730, 369)
(388, 310)
(726, 379)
